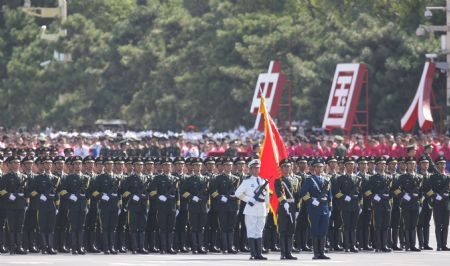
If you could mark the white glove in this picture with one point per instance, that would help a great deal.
(135, 198)
(105, 197)
(56, 212)
(286, 206)
(162, 198)
(119, 212)
(376, 197)
(43, 197)
(176, 213)
(195, 198)
(224, 199)
(252, 200)
(360, 210)
(315, 202)
(73, 197)
(347, 198)
(407, 197)
(296, 215)
(12, 197)
(438, 197)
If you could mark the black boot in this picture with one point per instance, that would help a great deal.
(304, 241)
(283, 251)
(3, 248)
(315, 241)
(444, 239)
(44, 244)
(384, 239)
(194, 243)
(112, 240)
(12, 243)
(438, 234)
(395, 239)
(366, 236)
(121, 242)
(407, 235)
(275, 241)
(20, 249)
(134, 245)
(62, 244)
(231, 248)
(426, 238)
(152, 243)
(337, 237)
(420, 237)
(51, 246)
(183, 248)
(258, 249)
(201, 244)
(32, 242)
(252, 246)
(224, 238)
(377, 240)
(142, 249)
(80, 246)
(322, 241)
(163, 242)
(353, 241)
(92, 243)
(346, 235)
(105, 245)
(170, 249)
(73, 242)
(213, 247)
(412, 239)
(289, 246)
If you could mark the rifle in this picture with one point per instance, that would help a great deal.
(258, 191)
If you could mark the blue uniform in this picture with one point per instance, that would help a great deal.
(317, 195)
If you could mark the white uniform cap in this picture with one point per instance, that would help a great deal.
(254, 162)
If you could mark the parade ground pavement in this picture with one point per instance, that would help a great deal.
(361, 259)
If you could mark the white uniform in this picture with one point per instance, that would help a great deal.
(255, 216)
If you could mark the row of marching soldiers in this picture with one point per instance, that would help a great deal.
(169, 206)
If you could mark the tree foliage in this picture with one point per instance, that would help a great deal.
(166, 64)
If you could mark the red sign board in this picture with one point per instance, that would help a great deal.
(344, 96)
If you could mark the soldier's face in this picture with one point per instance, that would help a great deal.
(441, 166)
(149, 167)
(239, 167)
(118, 167)
(392, 166)
(197, 167)
(167, 168)
(47, 166)
(89, 166)
(286, 169)
(302, 166)
(179, 167)
(381, 167)
(349, 167)
(228, 167)
(362, 167)
(138, 167)
(76, 166)
(254, 170)
(424, 165)
(27, 167)
(332, 165)
(210, 167)
(108, 167)
(59, 166)
(318, 169)
(410, 166)
(99, 167)
(14, 166)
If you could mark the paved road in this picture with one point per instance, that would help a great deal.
(423, 258)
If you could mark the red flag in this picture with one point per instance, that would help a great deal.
(272, 152)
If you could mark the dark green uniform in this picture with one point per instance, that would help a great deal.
(348, 193)
(62, 219)
(105, 189)
(181, 222)
(133, 189)
(30, 224)
(302, 224)
(366, 214)
(285, 189)
(12, 193)
(438, 194)
(227, 206)
(164, 189)
(44, 189)
(379, 191)
(90, 225)
(407, 188)
(395, 215)
(74, 189)
(423, 224)
(195, 191)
